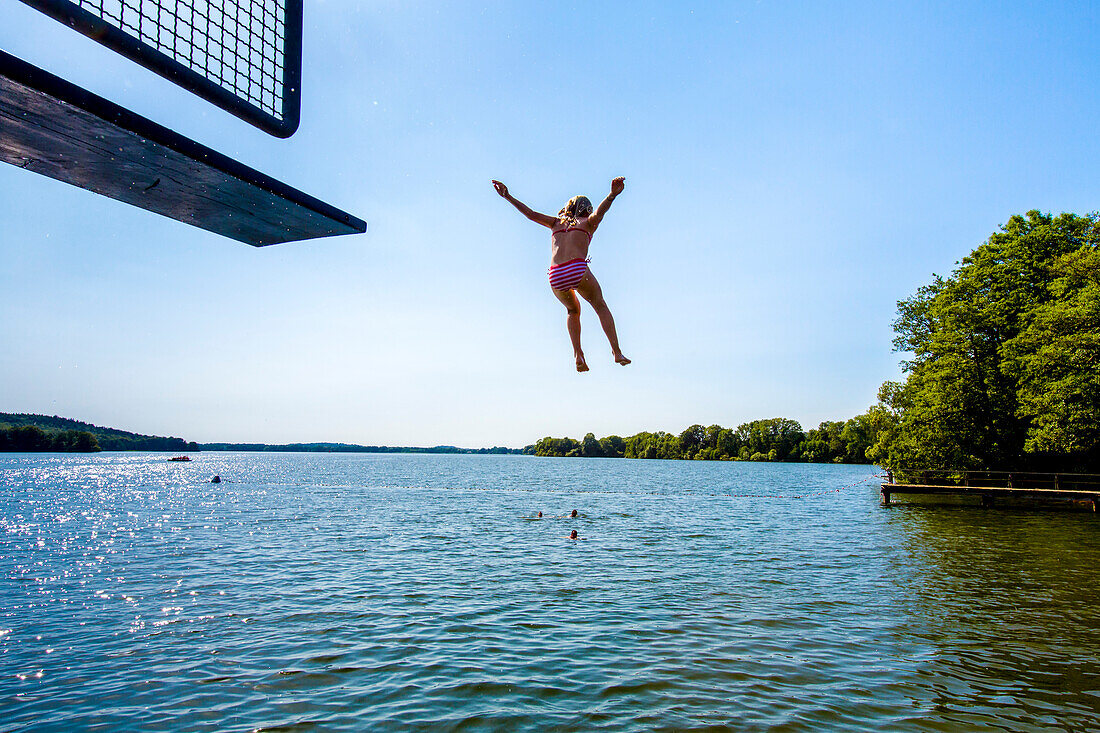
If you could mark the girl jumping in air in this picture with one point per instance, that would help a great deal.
(570, 234)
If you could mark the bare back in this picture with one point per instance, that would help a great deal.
(569, 241)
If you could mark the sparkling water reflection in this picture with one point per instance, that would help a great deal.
(351, 592)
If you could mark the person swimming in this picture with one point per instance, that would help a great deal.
(570, 236)
(573, 514)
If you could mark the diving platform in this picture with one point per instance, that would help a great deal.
(56, 128)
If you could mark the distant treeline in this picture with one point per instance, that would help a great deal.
(28, 433)
(775, 439)
(32, 439)
(55, 431)
(346, 448)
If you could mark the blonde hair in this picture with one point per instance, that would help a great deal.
(577, 207)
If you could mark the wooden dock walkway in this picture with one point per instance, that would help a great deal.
(991, 485)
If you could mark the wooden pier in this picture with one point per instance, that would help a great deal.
(988, 486)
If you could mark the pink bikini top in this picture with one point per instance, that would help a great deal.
(572, 229)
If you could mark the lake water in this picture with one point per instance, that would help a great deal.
(393, 592)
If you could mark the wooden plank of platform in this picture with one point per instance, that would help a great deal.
(988, 493)
(53, 127)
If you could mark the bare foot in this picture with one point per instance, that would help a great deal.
(581, 365)
(621, 360)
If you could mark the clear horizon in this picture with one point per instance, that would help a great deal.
(791, 171)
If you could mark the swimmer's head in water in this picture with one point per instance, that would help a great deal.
(574, 514)
(577, 207)
(573, 535)
(540, 515)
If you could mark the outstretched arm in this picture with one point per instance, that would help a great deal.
(617, 187)
(546, 221)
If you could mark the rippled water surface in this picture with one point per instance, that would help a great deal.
(358, 592)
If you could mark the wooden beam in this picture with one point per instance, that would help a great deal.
(57, 129)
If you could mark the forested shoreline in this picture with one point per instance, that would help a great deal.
(774, 439)
(28, 433)
(33, 439)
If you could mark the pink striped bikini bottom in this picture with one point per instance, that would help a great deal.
(568, 275)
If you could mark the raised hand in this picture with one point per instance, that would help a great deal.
(617, 186)
(501, 188)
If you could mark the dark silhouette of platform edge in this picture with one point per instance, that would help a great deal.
(58, 129)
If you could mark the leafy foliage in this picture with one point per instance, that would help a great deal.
(31, 438)
(1056, 361)
(104, 438)
(774, 439)
(1005, 367)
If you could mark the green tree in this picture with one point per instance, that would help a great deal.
(780, 433)
(814, 450)
(857, 435)
(551, 447)
(728, 445)
(86, 443)
(996, 368)
(612, 446)
(692, 439)
(1056, 360)
(711, 435)
(28, 438)
(636, 445)
(667, 446)
(590, 447)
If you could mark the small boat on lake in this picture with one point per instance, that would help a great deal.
(180, 458)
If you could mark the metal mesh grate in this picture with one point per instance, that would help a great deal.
(238, 44)
(240, 54)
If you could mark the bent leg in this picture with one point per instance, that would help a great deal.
(573, 324)
(590, 290)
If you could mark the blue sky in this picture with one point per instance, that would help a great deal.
(793, 169)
